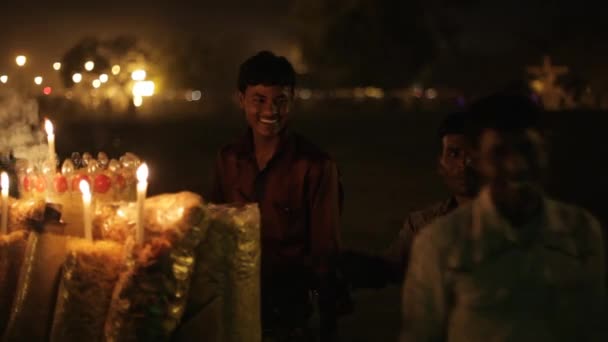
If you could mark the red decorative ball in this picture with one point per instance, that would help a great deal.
(60, 183)
(76, 182)
(102, 183)
(40, 184)
(27, 184)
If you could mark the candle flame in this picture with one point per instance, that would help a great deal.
(4, 181)
(84, 187)
(142, 173)
(48, 127)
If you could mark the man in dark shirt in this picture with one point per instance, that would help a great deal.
(297, 188)
(455, 168)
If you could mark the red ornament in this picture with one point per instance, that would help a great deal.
(27, 184)
(76, 182)
(60, 183)
(102, 183)
(40, 184)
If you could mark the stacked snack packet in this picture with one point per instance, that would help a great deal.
(23, 216)
(33, 306)
(90, 272)
(151, 293)
(112, 289)
(224, 303)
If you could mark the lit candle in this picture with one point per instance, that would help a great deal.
(86, 209)
(5, 185)
(50, 135)
(142, 187)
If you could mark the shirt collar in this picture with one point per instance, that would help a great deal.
(487, 218)
(448, 205)
(548, 229)
(245, 147)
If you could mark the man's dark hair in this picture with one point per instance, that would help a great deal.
(504, 113)
(453, 123)
(267, 69)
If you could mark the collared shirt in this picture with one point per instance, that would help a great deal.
(398, 252)
(474, 277)
(299, 196)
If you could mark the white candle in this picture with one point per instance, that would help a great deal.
(86, 209)
(5, 185)
(50, 135)
(142, 187)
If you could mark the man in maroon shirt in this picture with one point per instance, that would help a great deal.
(297, 188)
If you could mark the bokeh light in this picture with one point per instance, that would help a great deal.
(138, 75)
(57, 66)
(47, 90)
(374, 92)
(4, 78)
(431, 93)
(96, 84)
(196, 95)
(77, 77)
(38, 80)
(103, 78)
(89, 65)
(305, 94)
(115, 69)
(417, 90)
(21, 60)
(143, 88)
(138, 101)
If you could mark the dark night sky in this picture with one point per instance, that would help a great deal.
(507, 33)
(43, 30)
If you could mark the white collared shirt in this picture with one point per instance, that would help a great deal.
(474, 277)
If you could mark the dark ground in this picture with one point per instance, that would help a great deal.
(387, 158)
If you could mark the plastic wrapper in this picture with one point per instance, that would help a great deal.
(150, 297)
(12, 248)
(224, 304)
(34, 303)
(90, 272)
(25, 213)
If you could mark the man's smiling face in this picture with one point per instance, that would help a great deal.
(266, 108)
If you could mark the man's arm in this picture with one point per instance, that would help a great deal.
(424, 293)
(364, 270)
(397, 254)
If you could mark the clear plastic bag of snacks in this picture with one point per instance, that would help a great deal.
(23, 216)
(150, 297)
(34, 304)
(89, 275)
(224, 303)
(12, 248)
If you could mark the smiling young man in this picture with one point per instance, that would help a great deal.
(297, 188)
(513, 265)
